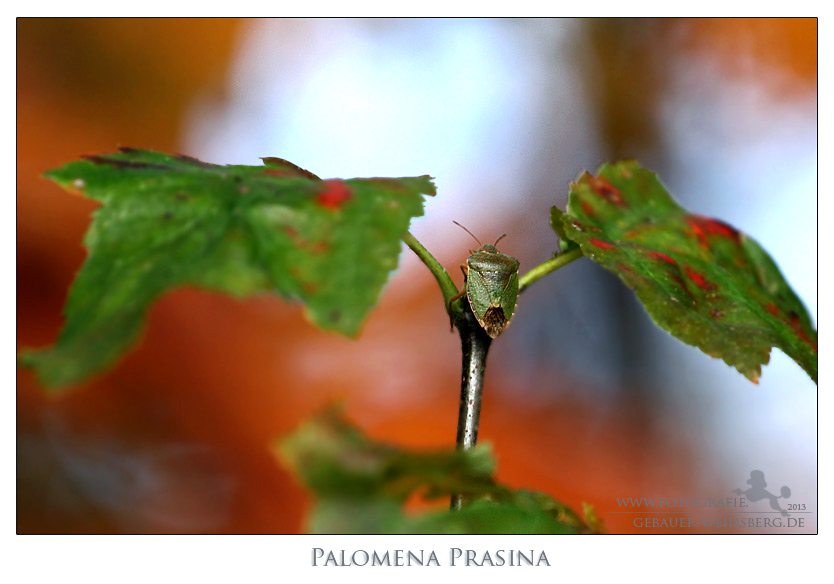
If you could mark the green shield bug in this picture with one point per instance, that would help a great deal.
(490, 285)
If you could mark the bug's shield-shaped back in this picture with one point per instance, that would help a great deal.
(492, 290)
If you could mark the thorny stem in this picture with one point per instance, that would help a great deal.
(550, 265)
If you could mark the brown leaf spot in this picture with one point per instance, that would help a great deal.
(663, 257)
(712, 226)
(699, 279)
(698, 233)
(604, 189)
(796, 323)
(703, 226)
(334, 195)
(586, 206)
(602, 244)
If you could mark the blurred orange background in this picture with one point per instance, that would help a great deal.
(584, 400)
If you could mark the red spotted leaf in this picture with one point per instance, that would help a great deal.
(708, 284)
(168, 221)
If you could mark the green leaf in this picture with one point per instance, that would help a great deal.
(361, 487)
(168, 221)
(708, 284)
(556, 224)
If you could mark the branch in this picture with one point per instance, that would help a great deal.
(447, 286)
(550, 265)
(474, 346)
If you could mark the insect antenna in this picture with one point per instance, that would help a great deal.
(499, 239)
(469, 232)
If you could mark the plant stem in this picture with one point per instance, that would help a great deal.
(474, 341)
(550, 265)
(447, 286)
(474, 346)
